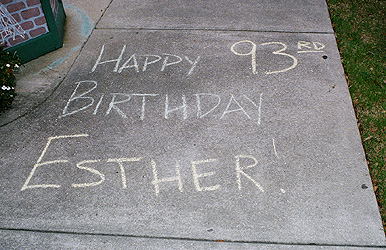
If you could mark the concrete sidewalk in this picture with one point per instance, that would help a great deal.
(187, 125)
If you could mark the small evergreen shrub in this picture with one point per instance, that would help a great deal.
(9, 62)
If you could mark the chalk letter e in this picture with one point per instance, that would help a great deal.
(196, 176)
(40, 163)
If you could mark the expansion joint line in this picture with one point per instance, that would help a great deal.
(215, 29)
(189, 239)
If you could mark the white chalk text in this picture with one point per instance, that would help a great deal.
(203, 172)
(201, 105)
(141, 63)
(302, 46)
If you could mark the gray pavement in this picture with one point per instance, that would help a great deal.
(189, 125)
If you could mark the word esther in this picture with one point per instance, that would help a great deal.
(202, 171)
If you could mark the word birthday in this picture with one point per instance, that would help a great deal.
(204, 104)
(199, 171)
(140, 63)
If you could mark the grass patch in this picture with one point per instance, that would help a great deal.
(360, 28)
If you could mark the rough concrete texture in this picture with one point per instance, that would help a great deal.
(36, 80)
(182, 138)
(61, 240)
(287, 16)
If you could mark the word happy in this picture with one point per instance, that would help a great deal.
(141, 63)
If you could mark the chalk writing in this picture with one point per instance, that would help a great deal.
(113, 104)
(54, 6)
(94, 171)
(158, 62)
(9, 27)
(120, 162)
(240, 171)
(157, 181)
(198, 102)
(240, 108)
(306, 47)
(242, 165)
(183, 108)
(302, 46)
(39, 162)
(83, 98)
(196, 176)
(281, 52)
(274, 147)
(251, 53)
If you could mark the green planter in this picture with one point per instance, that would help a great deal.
(49, 41)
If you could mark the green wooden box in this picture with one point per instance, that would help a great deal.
(52, 40)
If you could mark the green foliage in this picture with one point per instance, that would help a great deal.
(360, 27)
(9, 62)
